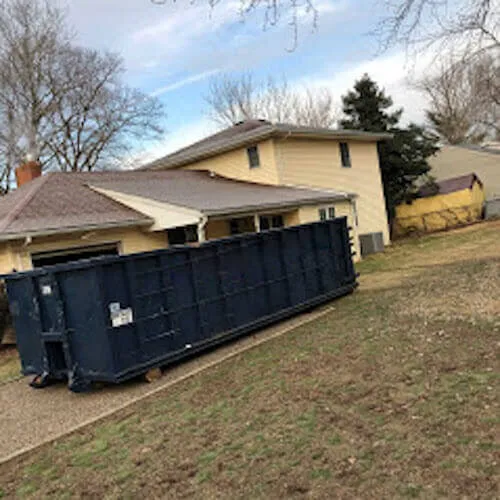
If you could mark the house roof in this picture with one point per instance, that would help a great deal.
(60, 202)
(65, 202)
(454, 161)
(450, 185)
(210, 194)
(252, 131)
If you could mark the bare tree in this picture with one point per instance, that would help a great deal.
(464, 100)
(98, 120)
(233, 99)
(68, 106)
(471, 25)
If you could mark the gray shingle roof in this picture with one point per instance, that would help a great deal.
(251, 132)
(210, 194)
(63, 202)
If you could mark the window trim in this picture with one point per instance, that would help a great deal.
(345, 155)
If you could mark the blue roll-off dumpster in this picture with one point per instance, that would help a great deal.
(113, 318)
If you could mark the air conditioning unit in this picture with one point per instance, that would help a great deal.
(371, 243)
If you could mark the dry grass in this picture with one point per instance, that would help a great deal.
(393, 395)
(10, 367)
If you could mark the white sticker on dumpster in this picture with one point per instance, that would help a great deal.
(120, 317)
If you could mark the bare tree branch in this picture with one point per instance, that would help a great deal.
(273, 12)
(467, 25)
(464, 99)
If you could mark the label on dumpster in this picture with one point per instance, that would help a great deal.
(120, 317)
(46, 290)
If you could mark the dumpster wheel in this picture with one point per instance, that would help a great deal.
(41, 381)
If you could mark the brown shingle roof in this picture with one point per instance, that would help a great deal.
(450, 185)
(62, 202)
(250, 132)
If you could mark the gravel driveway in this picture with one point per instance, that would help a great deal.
(29, 417)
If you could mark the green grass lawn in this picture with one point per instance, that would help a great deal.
(393, 394)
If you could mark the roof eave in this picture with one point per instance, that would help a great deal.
(75, 229)
(279, 205)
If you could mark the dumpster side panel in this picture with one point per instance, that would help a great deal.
(26, 318)
(85, 322)
(124, 315)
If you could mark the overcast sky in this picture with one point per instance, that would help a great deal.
(173, 50)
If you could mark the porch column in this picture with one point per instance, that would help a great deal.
(256, 222)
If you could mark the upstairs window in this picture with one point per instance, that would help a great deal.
(253, 157)
(345, 155)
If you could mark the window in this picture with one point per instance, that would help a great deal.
(241, 226)
(182, 235)
(253, 157)
(72, 254)
(326, 213)
(271, 222)
(345, 155)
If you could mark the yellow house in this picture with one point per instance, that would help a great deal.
(286, 155)
(254, 176)
(450, 203)
(60, 217)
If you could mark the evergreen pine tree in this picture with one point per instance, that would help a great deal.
(403, 159)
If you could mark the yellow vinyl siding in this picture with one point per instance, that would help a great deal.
(234, 165)
(7, 259)
(216, 229)
(310, 213)
(439, 212)
(129, 241)
(317, 163)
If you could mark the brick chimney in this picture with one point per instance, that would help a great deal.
(27, 172)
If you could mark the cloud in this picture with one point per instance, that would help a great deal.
(185, 81)
(392, 72)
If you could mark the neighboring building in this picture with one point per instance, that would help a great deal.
(61, 217)
(453, 161)
(286, 155)
(450, 203)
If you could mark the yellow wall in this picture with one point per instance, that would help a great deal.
(217, 229)
(316, 163)
(130, 240)
(441, 211)
(234, 164)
